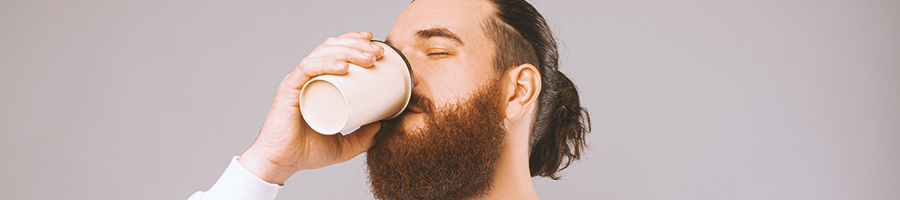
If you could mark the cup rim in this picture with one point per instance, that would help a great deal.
(412, 79)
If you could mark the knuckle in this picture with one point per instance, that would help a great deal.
(305, 62)
(370, 59)
(317, 49)
(341, 66)
(366, 56)
(330, 40)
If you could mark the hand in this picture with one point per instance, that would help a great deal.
(286, 144)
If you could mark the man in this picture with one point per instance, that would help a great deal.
(490, 110)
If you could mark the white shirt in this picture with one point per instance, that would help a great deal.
(238, 183)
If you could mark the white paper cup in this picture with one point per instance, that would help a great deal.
(332, 103)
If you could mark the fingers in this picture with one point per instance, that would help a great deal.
(356, 47)
(358, 40)
(361, 40)
(365, 35)
(333, 57)
(350, 54)
(308, 68)
(314, 66)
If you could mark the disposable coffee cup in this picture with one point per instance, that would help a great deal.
(335, 103)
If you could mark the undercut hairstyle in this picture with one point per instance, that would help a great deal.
(558, 134)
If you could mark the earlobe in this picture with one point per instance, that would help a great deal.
(522, 89)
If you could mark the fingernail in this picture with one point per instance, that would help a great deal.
(374, 46)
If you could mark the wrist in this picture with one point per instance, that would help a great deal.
(264, 169)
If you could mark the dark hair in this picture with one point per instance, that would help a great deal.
(558, 134)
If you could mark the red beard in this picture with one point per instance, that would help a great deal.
(452, 157)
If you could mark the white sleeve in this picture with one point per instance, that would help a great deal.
(238, 183)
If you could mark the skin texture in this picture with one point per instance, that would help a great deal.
(447, 71)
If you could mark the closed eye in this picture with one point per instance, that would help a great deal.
(439, 53)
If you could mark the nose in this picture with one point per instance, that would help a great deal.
(416, 79)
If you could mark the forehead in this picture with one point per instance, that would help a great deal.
(461, 17)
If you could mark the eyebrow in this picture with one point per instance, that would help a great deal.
(438, 32)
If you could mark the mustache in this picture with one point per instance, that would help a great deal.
(422, 102)
(416, 99)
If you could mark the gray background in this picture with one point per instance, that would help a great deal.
(783, 99)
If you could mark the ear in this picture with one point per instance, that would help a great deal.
(521, 86)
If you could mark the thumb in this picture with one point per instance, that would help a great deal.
(360, 140)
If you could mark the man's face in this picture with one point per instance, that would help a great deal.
(446, 145)
(447, 48)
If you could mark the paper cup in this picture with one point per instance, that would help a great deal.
(334, 103)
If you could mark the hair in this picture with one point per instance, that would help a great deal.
(522, 36)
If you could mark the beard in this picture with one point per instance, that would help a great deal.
(453, 156)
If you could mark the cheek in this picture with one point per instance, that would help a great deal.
(452, 85)
(454, 88)
(447, 84)
(450, 89)
(451, 81)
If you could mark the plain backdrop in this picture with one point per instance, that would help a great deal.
(690, 99)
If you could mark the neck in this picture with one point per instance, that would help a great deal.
(513, 177)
